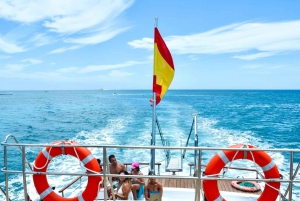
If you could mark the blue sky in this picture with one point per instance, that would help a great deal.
(100, 44)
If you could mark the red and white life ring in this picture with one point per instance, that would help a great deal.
(47, 154)
(217, 163)
(255, 186)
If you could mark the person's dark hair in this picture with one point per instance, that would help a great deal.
(99, 162)
(110, 157)
(128, 180)
(124, 171)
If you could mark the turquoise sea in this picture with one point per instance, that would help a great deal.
(264, 118)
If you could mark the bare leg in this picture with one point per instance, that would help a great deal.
(134, 189)
(108, 191)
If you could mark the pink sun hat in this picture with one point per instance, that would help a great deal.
(135, 165)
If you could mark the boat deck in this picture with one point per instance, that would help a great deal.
(185, 183)
(177, 183)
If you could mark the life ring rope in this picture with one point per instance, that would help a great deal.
(265, 168)
(227, 157)
(49, 158)
(226, 160)
(82, 162)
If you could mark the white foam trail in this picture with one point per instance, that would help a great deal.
(209, 135)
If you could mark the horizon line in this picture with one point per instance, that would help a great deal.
(142, 89)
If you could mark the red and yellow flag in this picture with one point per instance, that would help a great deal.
(163, 67)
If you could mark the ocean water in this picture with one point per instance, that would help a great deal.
(264, 118)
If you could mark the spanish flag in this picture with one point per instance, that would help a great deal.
(163, 67)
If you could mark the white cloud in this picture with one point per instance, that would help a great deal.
(193, 57)
(68, 70)
(86, 14)
(266, 38)
(41, 39)
(82, 21)
(57, 79)
(255, 56)
(119, 74)
(9, 47)
(63, 16)
(144, 43)
(32, 61)
(96, 38)
(95, 68)
(63, 49)
(14, 67)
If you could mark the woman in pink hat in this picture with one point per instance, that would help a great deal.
(137, 186)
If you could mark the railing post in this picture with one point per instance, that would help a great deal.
(198, 181)
(24, 174)
(6, 174)
(104, 172)
(199, 171)
(291, 176)
(196, 141)
(158, 169)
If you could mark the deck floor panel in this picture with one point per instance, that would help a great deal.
(223, 185)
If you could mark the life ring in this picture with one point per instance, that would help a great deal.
(47, 154)
(251, 186)
(261, 158)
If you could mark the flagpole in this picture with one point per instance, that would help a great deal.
(153, 120)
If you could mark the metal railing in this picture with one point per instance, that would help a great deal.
(69, 185)
(198, 179)
(126, 166)
(164, 142)
(193, 127)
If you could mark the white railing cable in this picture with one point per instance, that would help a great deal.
(290, 180)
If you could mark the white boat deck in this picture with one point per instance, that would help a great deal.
(176, 187)
(181, 194)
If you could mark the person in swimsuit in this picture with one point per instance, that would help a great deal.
(114, 168)
(123, 191)
(153, 186)
(137, 187)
